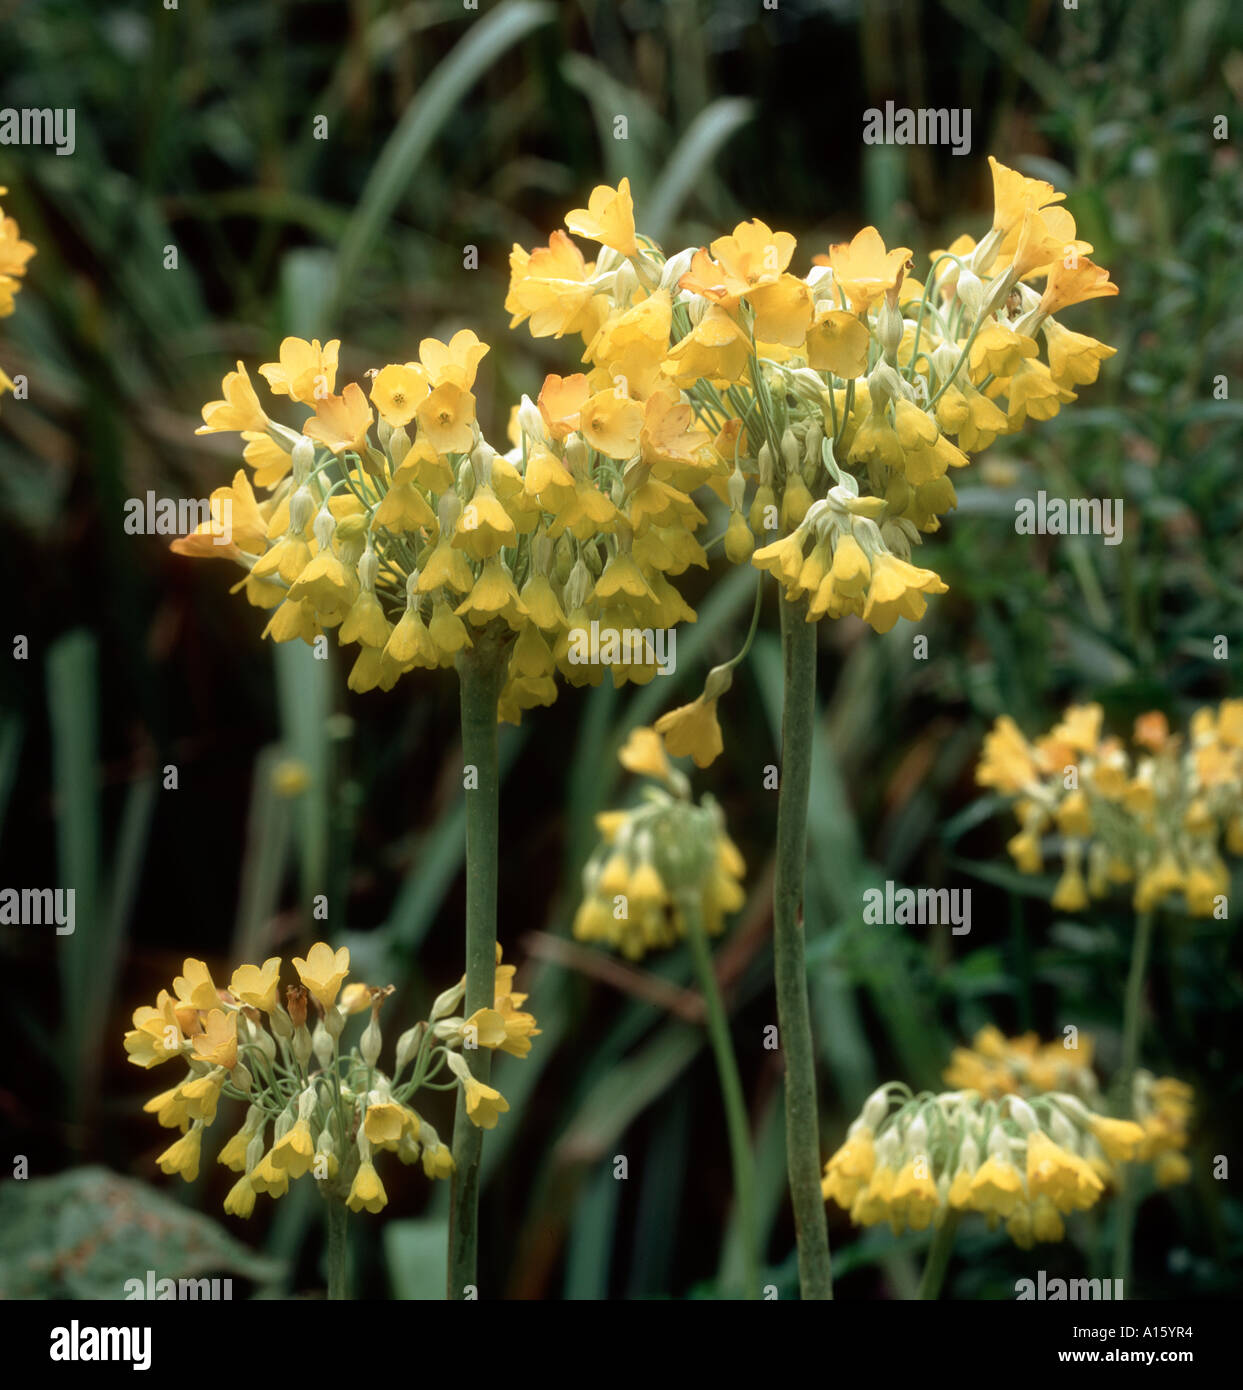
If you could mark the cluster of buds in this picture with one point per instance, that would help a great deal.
(14, 253)
(658, 863)
(997, 1066)
(329, 1109)
(832, 400)
(1025, 1162)
(1156, 816)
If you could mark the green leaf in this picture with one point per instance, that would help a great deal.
(416, 1253)
(84, 1232)
(394, 171)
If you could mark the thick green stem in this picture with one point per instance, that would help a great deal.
(938, 1258)
(1132, 1030)
(741, 1155)
(336, 1220)
(798, 645)
(481, 670)
(1133, 1009)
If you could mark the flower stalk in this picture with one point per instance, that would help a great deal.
(798, 645)
(481, 672)
(741, 1155)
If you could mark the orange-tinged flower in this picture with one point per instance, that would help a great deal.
(234, 514)
(608, 218)
(752, 257)
(551, 288)
(560, 402)
(1074, 284)
(341, 422)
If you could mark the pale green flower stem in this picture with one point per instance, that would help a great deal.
(481, 672)
(336, 1220)
(798, 645)
(1132, 1027)
(938, 1258)
(741, 1154)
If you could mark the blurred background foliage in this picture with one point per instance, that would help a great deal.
(449, 128)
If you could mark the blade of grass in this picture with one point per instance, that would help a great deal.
(393, 172)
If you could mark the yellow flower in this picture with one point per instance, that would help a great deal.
(484, 1105)
(341, 422)
(551, 287)
(716, 348)
(1063, 1177)
(1074, 284)
(484, 527)
(182, 1156)
(157, 1034)
(169, 1108)
(386, 1122)
(611, 423)
(1014, 193)
(454, 362)
(202, 1095)
(493, 593)
(233, 509)
(241, 1198)
(850, 1168)
(608, 218)
(752, 258)
(897, 590)
(366, 1191)
(838, 342)
(644, 753)
(446, 419)
(692, 731)
(1074, 358)
(864, 270)
(294, 1151)
(397, 390)
(997, 1187)
(1008, 761)
(257, 985)
(1119, 1138)
(323, 970)
(217, 1043)
(239, 410)
(195, 988)
(306, 371)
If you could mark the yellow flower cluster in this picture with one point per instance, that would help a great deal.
(1027, 1162)
(997, 1066)
(14, 253)
(833, 399)
(658, 862)
(1156, 815)
(409, 543)
(329, 1109)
